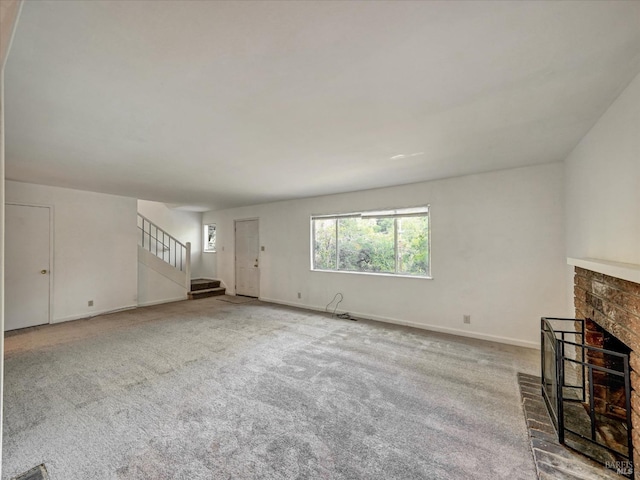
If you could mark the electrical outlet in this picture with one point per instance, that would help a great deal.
(90, 303)
(262, 248)
(299, 295)
(466, 318)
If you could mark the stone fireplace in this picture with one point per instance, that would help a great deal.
(610, 306)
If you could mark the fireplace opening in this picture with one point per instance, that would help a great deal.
(586, 387)
(609, 390)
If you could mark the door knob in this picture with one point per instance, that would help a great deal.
(43, 272)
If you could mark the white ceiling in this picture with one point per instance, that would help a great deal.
(217, 104)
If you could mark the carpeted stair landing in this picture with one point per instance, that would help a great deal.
(204, 287)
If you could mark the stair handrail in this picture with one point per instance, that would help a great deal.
(162, 230)
(184, 262)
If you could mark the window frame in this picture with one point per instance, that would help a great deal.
(395, 213)
(205, 240)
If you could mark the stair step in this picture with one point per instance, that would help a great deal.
(209, 292)
(204, 284)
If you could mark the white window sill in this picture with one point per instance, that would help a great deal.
(373, 274)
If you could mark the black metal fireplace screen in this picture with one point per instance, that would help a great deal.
(572, 371)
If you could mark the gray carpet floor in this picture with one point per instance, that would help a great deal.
(206, 389)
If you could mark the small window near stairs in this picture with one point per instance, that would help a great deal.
(209, 237)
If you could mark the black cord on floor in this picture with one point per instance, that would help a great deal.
(346, 315)
(326, 309)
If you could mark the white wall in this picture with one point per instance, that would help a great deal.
(95, 248)
(154, 288)
(158, 282)
(183, 225)
(209, 264)
(603, 185)
(602, 178)
(497, 254)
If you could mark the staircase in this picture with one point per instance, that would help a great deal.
(164, 246)
(204, 287)
(164, 268)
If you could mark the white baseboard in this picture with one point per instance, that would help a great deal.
(92, 314)
(422, 326)
(160, 302)
(364, 316)
(81, 316)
